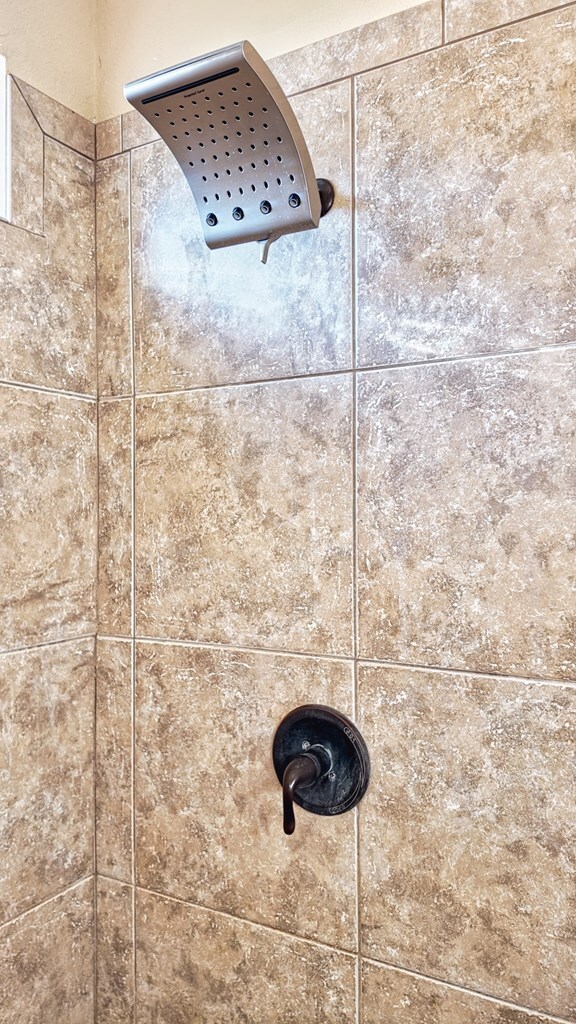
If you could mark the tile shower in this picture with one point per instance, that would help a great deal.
(345, 478)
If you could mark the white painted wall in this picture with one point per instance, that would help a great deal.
(138, 37)
(51, 45)
(81, 52)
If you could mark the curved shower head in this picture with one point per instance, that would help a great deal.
(235, 136)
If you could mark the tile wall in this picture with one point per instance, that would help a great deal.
(348, 478)
(48, 512)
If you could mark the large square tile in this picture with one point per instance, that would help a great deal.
(466, 215)
(244, 516)
(209, 805)
(467, 832)
(467, 518)
(48, 514)
(206, 317)
(194, 965)
(46, 777)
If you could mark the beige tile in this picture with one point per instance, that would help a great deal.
(46, 962)
(136, 130)
(196, 966)
(465, 17)
(390, 995)
(27, 165)
(108, 138)
(59, 122)
(244, 517)
(115, 953)
(466, 221)
(215, 317)
(114, 326)
(48, 514)
(114, 758)
(47, 319)
(468, 863)
(115, 518)
(209, 814)
(349, 53)
(46, 723)
(467, 521)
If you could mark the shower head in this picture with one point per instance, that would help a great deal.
(235, 136)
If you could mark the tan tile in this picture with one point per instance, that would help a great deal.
(114, 758)
(114, 327)
(115, 953)
(466, 220)
(210, 825)
(214, 317)
(47, 319)
(468, 863)
(136, 130)
(27, 165)
(194, 965)
(46, 962)
(465, 17)
(467, 521)
(115, 518)
(108, 138)
(46, 723)
(390, 995)
(59, 122)
(349, 53)
(244, 516)
(48, 514)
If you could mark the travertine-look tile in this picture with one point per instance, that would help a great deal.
(46, 962)
(467, 519)
(48, 514)
(115, 518)
(46, 812)
(114, 758)
(27, 165)
(243, 517)
(465, 17)
(59, 122)
(47, 317)
(215, 317)
(466, 217)
(115, 953)
(467, 832)
(389, 995)
(209, 814)
(114, 327)
(108, 138)
(349, 53)
(203, 968)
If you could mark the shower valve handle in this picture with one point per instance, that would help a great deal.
(301, 772)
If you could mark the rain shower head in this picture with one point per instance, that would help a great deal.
(235, 136)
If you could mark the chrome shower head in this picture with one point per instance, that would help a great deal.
(235, 136)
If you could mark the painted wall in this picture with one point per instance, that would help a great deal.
(52, 46)
(135, 38)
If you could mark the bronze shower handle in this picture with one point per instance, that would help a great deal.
(299, 773)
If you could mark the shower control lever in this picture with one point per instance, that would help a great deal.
(299, 773)
(321, 760)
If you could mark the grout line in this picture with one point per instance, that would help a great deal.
(556, 8)
(368, 368)
(96, 687)
(133, 838)
(361, 660)
(48, 643)
(61, 393)
(478, 993)
(246, 920)
(354, 284)
(95, 950)
(48, 900)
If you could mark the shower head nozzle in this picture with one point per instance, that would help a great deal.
(235, 136)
